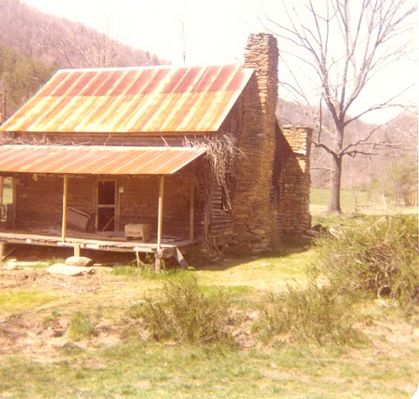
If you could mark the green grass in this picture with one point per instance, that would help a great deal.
(80, 327)
(23, 300)
(139, 370)
(269, 273)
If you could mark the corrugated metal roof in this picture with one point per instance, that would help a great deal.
(95, 160)
(133, 100)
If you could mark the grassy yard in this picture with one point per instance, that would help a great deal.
(137, 369)
(42, 356)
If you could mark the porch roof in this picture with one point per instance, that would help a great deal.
(95, 160)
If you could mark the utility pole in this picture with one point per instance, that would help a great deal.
(3, 105)
(183, 37)
(183, 30)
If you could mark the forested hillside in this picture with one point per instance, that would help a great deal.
(33, 45)
(61, 42)
(20, 77)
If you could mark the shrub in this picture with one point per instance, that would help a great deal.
(80, 327)
(377, 255)
(314, 313)
(187, 314)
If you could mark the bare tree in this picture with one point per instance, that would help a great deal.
(345, 44)
(62, 38)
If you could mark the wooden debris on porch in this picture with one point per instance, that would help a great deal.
(179, 257)
(77, 219)
(138, 231)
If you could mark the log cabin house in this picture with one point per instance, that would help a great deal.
(117, 159)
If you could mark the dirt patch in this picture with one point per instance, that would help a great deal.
(40, 279)
(42, 331)
(32, 335)
(17, 278)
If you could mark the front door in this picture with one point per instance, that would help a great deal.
(106, 205)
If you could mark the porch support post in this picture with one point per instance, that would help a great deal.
(2, 250)
(191, 212)
(160, 225)
(77, 250)
(64, 220)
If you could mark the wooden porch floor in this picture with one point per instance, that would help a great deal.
(101, 242)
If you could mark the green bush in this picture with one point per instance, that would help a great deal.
(80, 327)
(314, 313)
(377, 255)
(187, 315)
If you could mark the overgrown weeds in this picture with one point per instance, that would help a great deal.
(80, 327)
(364, 256)
(313, 313)
(187, 314)
(374, 255)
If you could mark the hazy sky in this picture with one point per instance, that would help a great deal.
(215, 32)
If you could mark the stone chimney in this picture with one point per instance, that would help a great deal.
(252, 196)
(294, 180)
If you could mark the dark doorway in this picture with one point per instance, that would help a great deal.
(106, 205)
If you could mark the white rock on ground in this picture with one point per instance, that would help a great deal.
(68, 270)
(78, 261)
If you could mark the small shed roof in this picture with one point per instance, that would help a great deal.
(94, 160)
(133, 100)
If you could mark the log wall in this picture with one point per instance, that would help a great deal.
(39, 202)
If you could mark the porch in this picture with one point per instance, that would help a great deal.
(86, 210)
(115, 243)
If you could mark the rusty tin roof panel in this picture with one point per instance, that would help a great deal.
(133, 100)
(95, 160)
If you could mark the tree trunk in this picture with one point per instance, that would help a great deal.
(335, 179)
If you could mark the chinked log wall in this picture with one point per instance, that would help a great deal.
(39, 202)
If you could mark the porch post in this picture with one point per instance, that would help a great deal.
(64, 219)
(191, 212)
(2, 250)
(160, 224)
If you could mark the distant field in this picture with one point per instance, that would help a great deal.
(353, 201)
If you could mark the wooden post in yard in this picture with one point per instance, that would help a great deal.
(160, 225)
(64, 220)
(191, 212)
